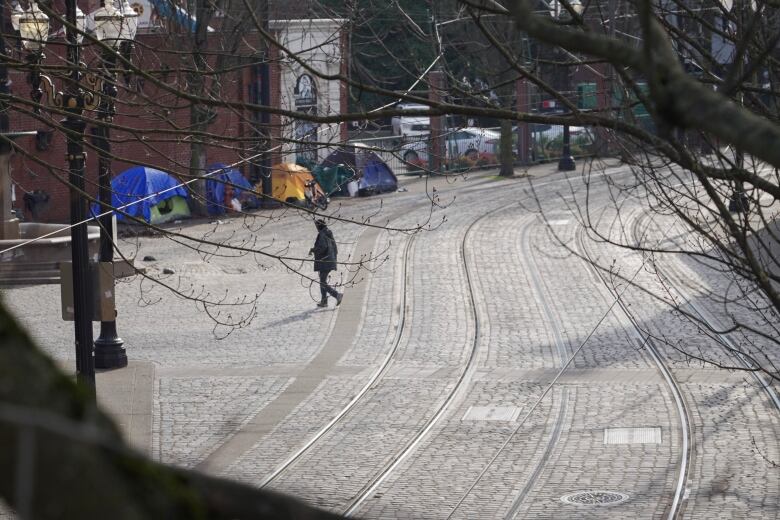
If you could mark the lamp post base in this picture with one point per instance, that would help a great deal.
(109, 350)
(567, 164)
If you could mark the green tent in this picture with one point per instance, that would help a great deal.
(333, 179)
(169, 210)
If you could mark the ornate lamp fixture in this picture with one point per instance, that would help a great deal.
(112, 26)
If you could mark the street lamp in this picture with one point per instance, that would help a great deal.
(739, 201)
(33, 26)
(115, 28)
(566, 162)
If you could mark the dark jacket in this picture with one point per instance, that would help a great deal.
(325, 251)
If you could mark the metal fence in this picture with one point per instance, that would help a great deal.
(546, 145)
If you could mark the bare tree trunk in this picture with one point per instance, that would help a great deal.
(199, 115)
(507, 158)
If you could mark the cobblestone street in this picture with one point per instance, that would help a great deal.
(478, 369)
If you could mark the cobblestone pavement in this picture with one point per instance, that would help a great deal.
(508, 444)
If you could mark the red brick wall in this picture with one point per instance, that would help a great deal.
(146, 118)
(142, 145)
(275, 73)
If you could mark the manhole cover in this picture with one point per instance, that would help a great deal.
(594, 498)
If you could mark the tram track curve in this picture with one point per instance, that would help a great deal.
(464, 376)
(566, 357)
(699, 312)
(460, 384)
(377, 375)
(644, 340)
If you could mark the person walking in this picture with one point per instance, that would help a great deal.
(325, 253)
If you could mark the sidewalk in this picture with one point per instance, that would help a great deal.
(126, 395)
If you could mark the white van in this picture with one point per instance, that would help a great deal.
(406, 126)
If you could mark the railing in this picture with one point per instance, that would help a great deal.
(546, 145)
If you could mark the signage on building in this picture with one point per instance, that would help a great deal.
(305, 95)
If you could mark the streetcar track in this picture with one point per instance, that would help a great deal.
(564, 352)
(378, 374)
(675, 389)
(459, 386)
(711, 322)
(565, 357)
(375, 377)
(369, 487)
(551, 443)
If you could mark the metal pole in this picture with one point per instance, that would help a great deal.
(73, 101)
(109, 350)
(566, 163)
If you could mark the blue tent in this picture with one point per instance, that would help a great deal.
(219, 174)
(151, 194)
(169, 9)
(377, 177)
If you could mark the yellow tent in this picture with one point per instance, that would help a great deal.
(288, 182)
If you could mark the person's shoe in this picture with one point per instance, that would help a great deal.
(322, 303)
(339, 298)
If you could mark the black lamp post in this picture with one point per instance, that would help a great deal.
(566, 162)
(115, 28)
(34, 30)
(33, 26)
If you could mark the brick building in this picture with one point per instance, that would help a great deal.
(153, 118)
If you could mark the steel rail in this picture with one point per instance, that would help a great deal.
(713, 323)
(674, 388)
(566, 360)
(551, 443)
(459, 386)
(378, 373)
(382, 369)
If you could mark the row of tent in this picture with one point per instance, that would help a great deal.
(146, 193)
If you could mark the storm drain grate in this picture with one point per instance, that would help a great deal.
(491, 413)
(595, 498)
(632, 435)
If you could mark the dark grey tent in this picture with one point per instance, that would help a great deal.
(373, 174)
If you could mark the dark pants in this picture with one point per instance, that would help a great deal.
(326, 289)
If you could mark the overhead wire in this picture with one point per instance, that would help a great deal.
(129, 204)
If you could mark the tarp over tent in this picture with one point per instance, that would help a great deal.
(168, 9)
(216, 188)
(373, 174)
(334, 179)
(377, 178)
(288, 182)
(152, 194)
